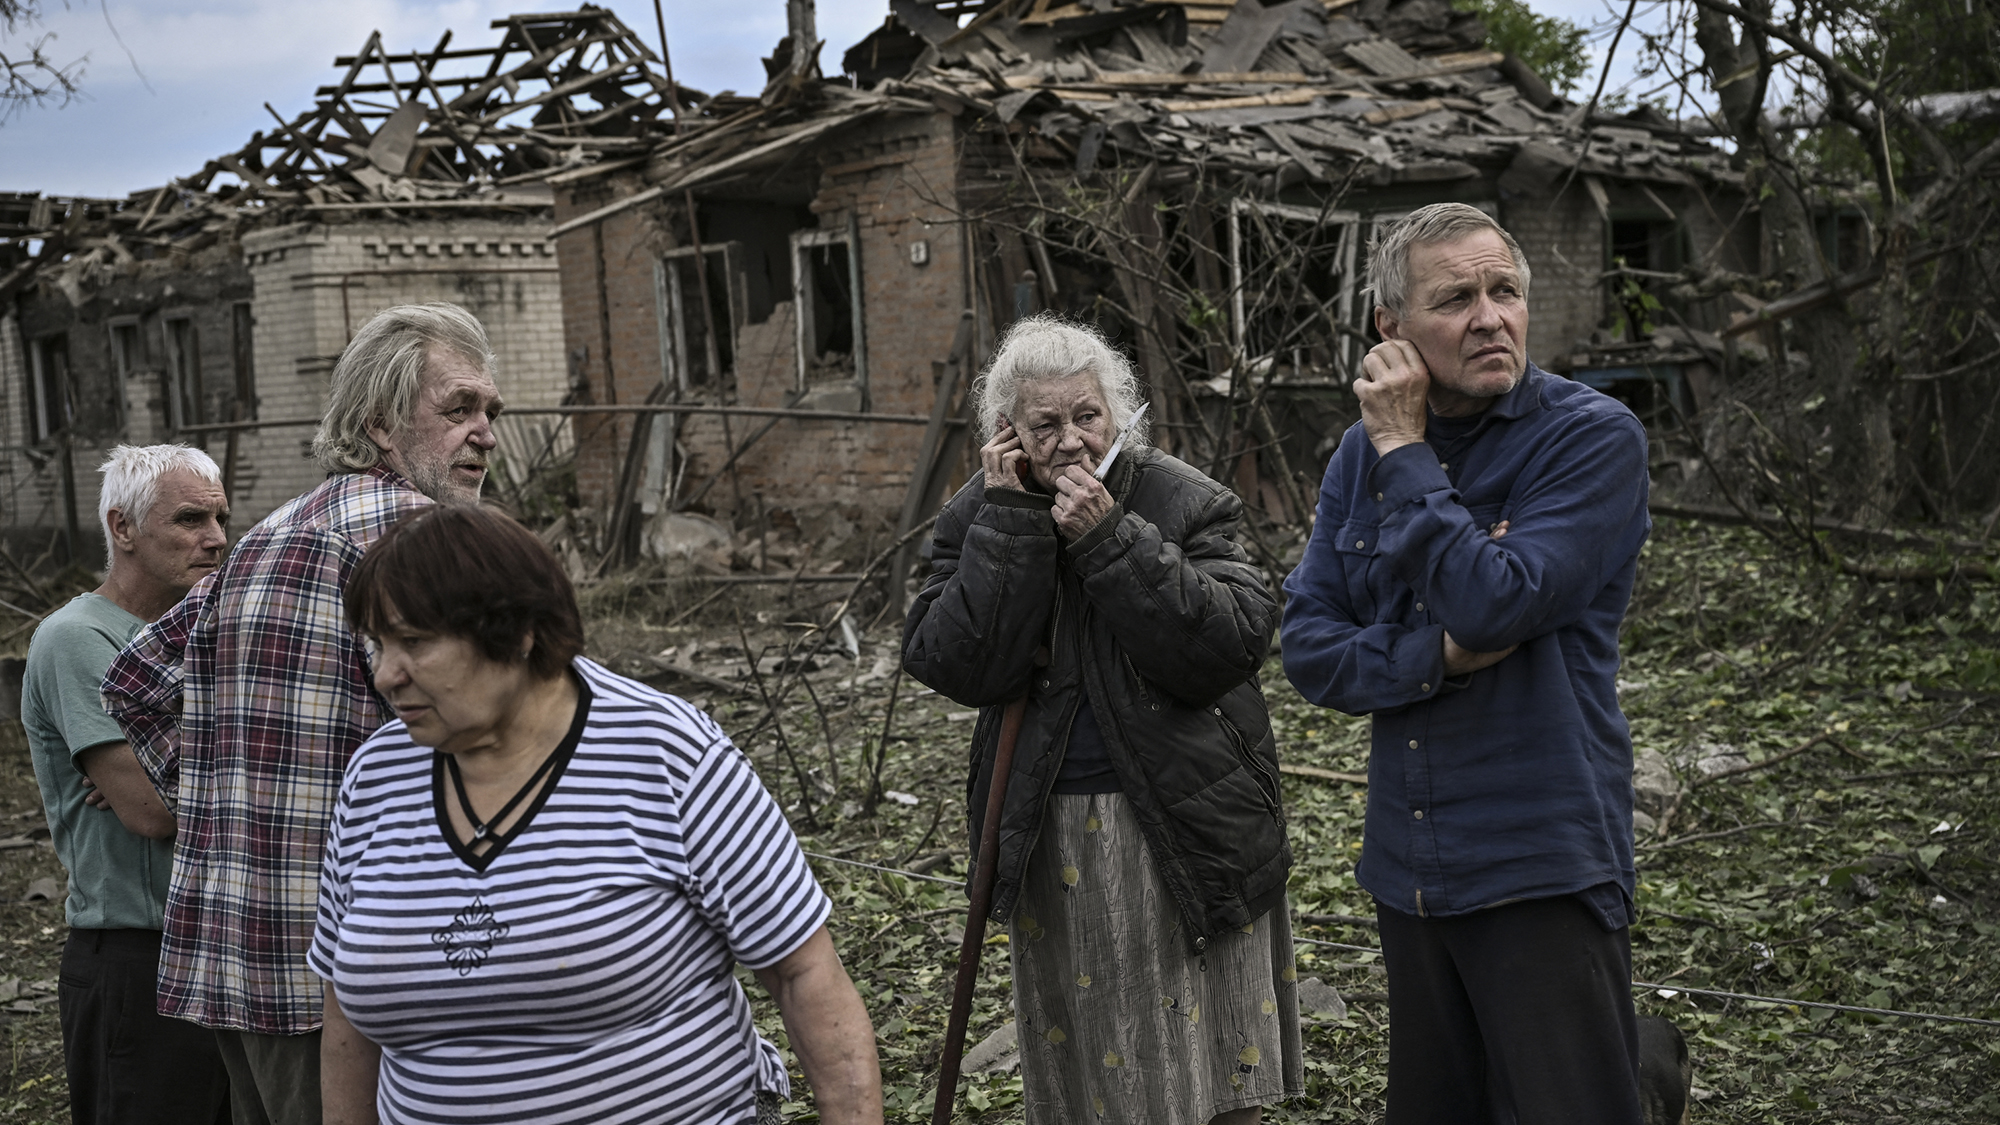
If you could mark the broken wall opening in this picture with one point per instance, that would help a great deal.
(699, 341)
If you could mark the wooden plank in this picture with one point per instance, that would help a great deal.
(1402, 110)
(1151, 78)
(1288, 97)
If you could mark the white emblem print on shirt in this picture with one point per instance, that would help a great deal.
(470, 937)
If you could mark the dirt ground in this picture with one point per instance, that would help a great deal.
(1864, 875)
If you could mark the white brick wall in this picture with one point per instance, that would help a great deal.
(316, 284)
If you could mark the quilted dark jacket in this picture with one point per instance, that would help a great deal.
(1159, 616)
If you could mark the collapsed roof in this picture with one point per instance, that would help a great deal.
(483, 127)
(1370, 91)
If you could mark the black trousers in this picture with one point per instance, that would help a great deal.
(127, 1064)
(1516, 1015)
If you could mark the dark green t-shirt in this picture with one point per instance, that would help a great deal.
(116, 880)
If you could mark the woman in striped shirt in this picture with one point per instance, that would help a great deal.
(539, 879)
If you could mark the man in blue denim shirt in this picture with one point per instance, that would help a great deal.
(1477, 539)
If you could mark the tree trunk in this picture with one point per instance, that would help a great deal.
(1858, 411)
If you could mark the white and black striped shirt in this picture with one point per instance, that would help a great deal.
(581, 971)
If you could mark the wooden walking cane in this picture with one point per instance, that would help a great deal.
(975, 920)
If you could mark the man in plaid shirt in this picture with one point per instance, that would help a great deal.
(244, 702)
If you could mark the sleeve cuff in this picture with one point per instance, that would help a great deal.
(1406, 474)
(1004, 497)
(1105, 529)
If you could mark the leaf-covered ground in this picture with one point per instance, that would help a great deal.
(1862, 870)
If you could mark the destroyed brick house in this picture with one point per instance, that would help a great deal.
(767, 309)
(211, 310)
(1201, 178)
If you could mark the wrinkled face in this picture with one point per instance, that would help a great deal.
(443, 687)
(1062, 422)
(183, 535)
(1467, 315)
(443, 450)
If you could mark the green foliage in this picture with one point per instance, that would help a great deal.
(1554, 47)
(1865, 873)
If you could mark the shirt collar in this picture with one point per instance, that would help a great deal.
(1526, 395)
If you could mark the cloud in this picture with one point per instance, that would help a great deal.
(211, 65)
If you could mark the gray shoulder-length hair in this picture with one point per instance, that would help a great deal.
(1389, 254)
(1048, 346)
(379, 374)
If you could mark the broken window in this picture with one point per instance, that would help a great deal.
(1294, 290)
(49, 410)
(180, 382)
(1648, 247)
(128, 356)
(697, 348)
(244, 361)
(826, 279)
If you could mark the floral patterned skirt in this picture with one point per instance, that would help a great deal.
(1118, 1021)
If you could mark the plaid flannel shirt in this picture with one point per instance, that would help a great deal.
(243, 704)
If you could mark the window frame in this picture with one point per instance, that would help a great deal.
(804, 328)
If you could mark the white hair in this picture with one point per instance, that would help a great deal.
(1047, 346)
(132, 481)
(1389, 255)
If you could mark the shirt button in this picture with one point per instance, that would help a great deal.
(1420, 814)
(1427, 687)
(1360, 544)
(1378, 496)
(1420, 607)
(1218, 711)
(1045, 685)
(1444, 465)
(1413, 744)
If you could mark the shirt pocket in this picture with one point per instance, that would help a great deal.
(1358, 546)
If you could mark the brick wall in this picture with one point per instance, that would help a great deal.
(1563, 239)
(895, 180)
(317, 283)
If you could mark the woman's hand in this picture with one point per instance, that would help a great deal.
(1081, 503)
(1003, 457)
(350, 1065)
(829, 1030)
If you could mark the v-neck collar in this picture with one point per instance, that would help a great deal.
(562, 754)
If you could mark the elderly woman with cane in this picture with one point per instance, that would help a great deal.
(540, 877)
(1141, 857)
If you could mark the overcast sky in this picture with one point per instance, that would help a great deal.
(209, 65)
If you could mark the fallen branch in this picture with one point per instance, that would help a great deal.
(1338, 920)
(1319, 774)
(1662, 845)
(687, 673)
(1902, 540)
(1739, 771)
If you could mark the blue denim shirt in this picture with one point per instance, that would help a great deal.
(1513, 782)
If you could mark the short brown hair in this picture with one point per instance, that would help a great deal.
(472, 572)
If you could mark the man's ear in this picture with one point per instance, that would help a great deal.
(122, 530)
(1387, 323)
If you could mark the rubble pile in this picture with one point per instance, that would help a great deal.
(1366, 91)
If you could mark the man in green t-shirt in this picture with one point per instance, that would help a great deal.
(163, 511)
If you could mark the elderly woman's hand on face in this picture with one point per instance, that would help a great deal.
(1002, 458)
(1081, 503)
